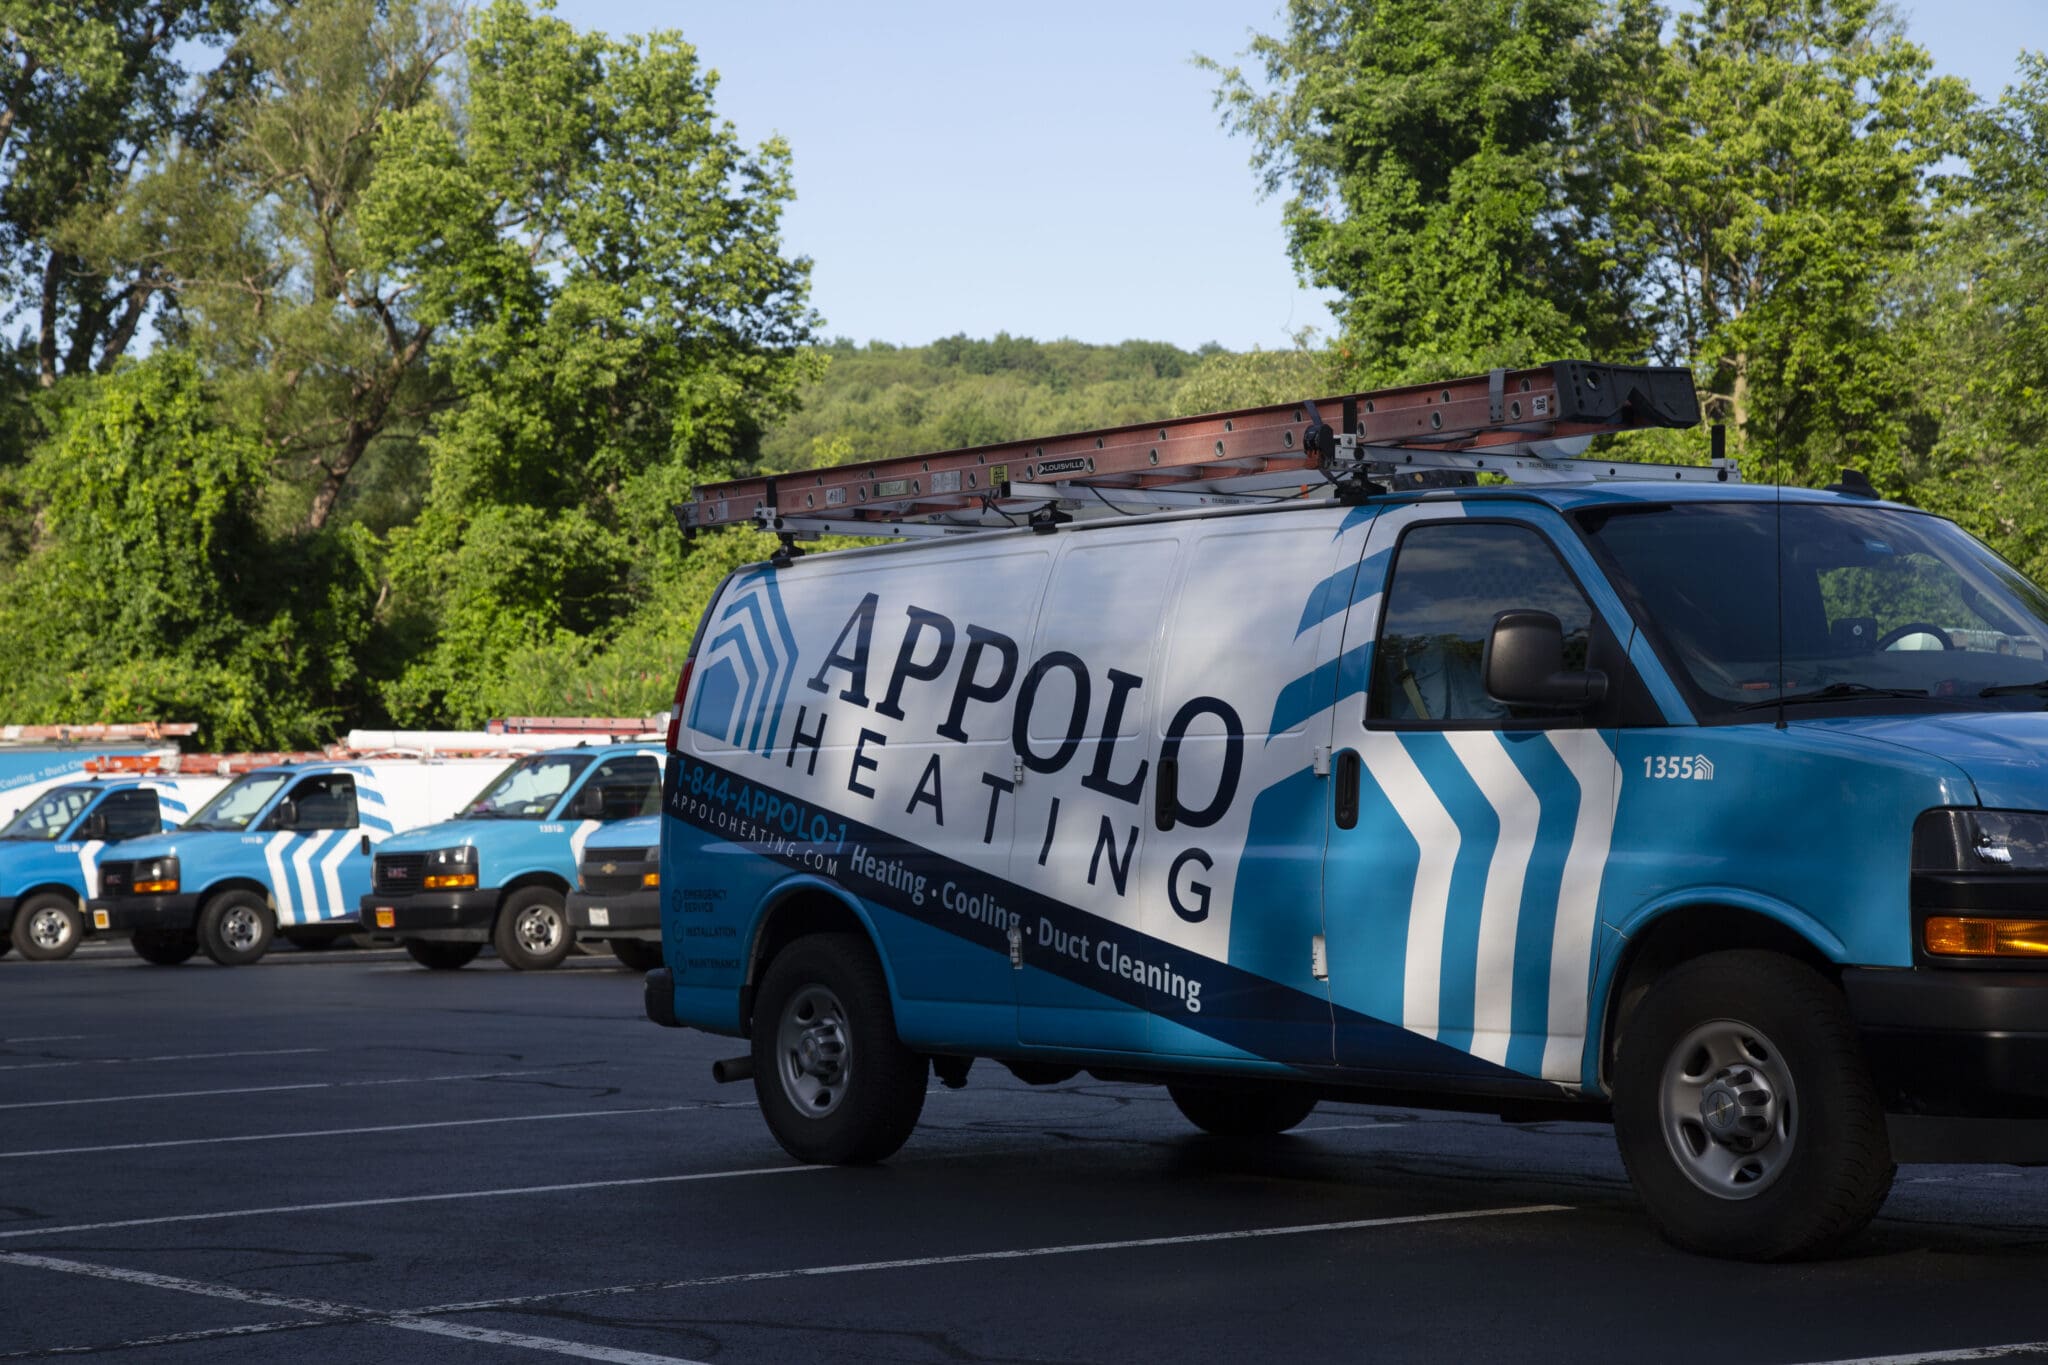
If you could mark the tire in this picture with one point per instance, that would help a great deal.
(165, 947)
(47, 928)
(532, 932)
(1745, 1112)
(635, 955)
(236, 928)
(442, 957)
(837, 1086)
(1242, 1111)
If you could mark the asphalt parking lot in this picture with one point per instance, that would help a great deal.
(341, 1157)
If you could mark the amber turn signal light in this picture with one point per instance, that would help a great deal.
(1960, 936)
(155, 888)
(453, 881)
(650, 879)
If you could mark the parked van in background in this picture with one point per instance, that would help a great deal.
(280, 850)
(500, 871)
(617, 899)
(49, 853)
(1613, 789)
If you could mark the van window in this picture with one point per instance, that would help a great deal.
(327, 801)
(132, 814)
(1450, 580)
(622, 788)
(50, 815)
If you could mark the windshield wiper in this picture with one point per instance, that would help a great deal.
(1836, 691)
(2039, 689)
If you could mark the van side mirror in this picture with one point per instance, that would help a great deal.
(588, 803)
(1524, 665)
(95, 826)
(287, 816)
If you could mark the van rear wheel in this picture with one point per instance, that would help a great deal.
(635, 955)
(835, 1083)
(1240, 1110)
(442, 957)
(164, 947)
(1745, 1113)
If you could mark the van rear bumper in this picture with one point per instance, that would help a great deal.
(1960, 1059)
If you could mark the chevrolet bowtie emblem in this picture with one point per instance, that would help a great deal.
(609, 868)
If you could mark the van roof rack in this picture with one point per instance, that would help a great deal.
(1528, 425)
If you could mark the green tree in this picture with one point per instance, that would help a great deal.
(88, 90)
(1783, 161)
(600, 256)
(151, 590)
(1975, 315)
(313, 343)
(1448, 164)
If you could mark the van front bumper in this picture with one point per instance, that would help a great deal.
(631, 914)
(1960, 1058)
(126, 914)
(433, 916)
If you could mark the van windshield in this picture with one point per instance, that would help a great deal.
(50, 814)
(236, 804)
(1879, 607)
(528, 789)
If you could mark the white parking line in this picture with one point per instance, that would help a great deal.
(2006, 1352)
(1338, 1127)
(271, 1089)
(353, 1132)
(342, 1312)
(971, 1257)
(47, 1038)
(12, 1233)
(175, 1057)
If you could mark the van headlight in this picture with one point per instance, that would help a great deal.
(1962, 860)
(155, 877)
(451, 869)
(1992, 841)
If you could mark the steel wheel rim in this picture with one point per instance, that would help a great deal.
(814, 1051)
(49, 929)
(240, 928)
(539, 929)
(1728, 1109)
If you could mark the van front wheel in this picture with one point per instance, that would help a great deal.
(835, 1083)
(533, 929)
(1745, 1113)
(236, 927)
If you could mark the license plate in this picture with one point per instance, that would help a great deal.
(387, 918)
(100, 920)
(600, 918)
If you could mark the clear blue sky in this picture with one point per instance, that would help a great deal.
(1057, 168)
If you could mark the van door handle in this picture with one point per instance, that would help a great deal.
(1348, 766)
(1166, 794)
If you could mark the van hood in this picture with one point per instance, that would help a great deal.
(2003, 753)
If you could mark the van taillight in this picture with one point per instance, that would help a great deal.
(675, 713)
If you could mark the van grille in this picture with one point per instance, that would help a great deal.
(627, 867)
(398, 874)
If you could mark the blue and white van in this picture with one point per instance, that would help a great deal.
(49, 853)
(282, 850)
(617, 899)
(1721, 810)
(499, 872)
